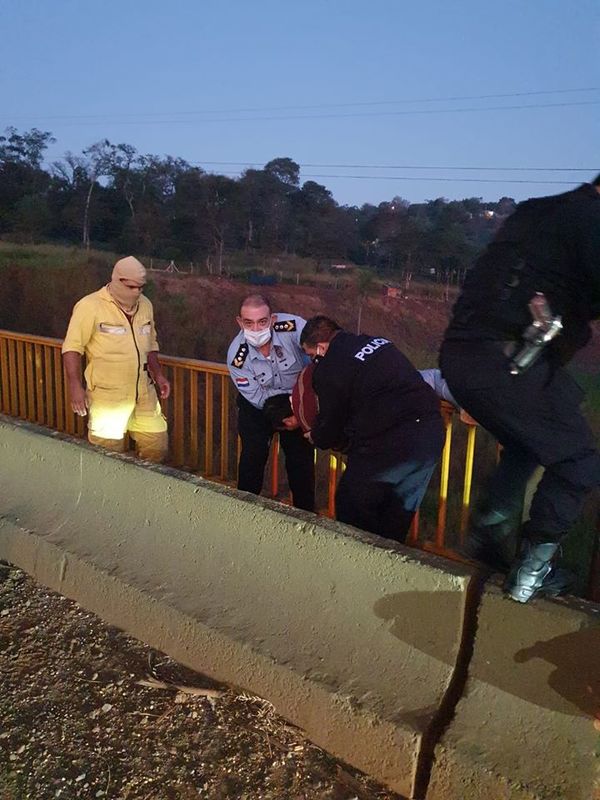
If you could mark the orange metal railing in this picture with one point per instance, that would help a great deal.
(32, 382)
(202, 424)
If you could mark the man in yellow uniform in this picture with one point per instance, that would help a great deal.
(114, 329)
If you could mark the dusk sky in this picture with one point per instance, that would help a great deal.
(454, 91)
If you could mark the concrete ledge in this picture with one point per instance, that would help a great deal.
(354, 642)
(386, 657)
(524, 727)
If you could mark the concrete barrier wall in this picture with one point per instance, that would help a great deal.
(360, 644)
(353, 642)
(524, 728)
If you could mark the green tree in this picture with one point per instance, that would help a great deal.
(265, 205)
(32, 218)
(285, 170)
(97, 162)
(22, 176)
(26, 148)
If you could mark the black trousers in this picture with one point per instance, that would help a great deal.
(382, 487)
(537, 419)
(256, 434)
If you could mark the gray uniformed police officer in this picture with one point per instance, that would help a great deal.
(264, 360)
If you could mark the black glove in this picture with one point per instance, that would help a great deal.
(276, 409)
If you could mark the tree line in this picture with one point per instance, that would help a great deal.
(110, 196)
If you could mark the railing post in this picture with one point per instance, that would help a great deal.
(332, 484)
(49, 404)
(39, 384)
(275, 466)
(59, 390)
(440, 532)
(21, 393)
(224, 427)
(466, 498)
(4, 377)
(178, 413)
(413, 533)
(30, 383)
(208, 425)
(12, 371)
(194, 420)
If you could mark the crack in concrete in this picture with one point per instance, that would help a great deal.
(455, 688)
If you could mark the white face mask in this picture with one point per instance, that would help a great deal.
(257, 338)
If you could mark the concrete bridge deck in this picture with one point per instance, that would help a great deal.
(399, 662)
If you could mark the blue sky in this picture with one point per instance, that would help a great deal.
(325, 83)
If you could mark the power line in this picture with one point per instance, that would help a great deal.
(425, 178)
(403, 101)
(355, 114)
(404, 166)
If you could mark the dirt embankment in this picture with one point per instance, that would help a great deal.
(88, 712)
(196, 315)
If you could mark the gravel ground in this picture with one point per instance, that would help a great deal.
(88, 712)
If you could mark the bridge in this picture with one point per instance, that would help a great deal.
(397, 659)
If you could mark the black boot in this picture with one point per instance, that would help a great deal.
(534, 573)
(491, 541)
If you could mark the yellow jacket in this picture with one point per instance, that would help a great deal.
(116, 348)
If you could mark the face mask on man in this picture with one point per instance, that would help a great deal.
(127, 270)
(257, 338)
(124, 295)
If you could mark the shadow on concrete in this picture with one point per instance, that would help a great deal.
(576, 658)
(427, 620)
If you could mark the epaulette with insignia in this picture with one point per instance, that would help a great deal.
(240, 356)
(285, 326)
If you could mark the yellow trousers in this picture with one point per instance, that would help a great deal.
(112, 416)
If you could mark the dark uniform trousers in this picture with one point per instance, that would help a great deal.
(256, 434)
(382, 487)
(537, 419)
